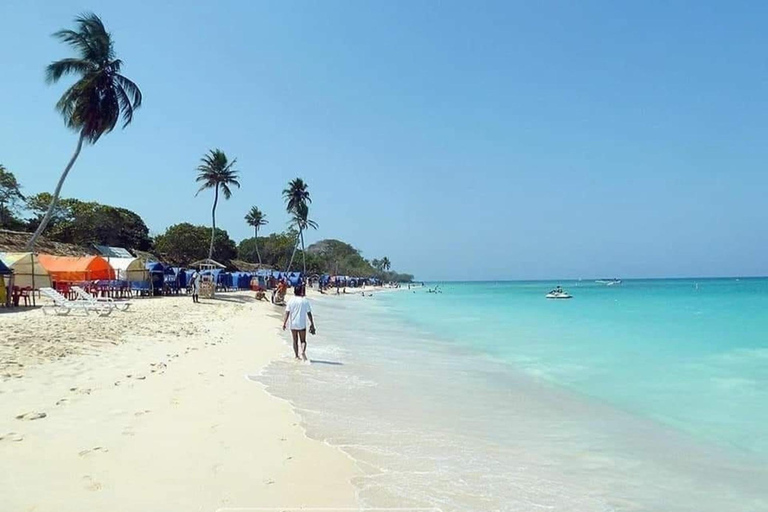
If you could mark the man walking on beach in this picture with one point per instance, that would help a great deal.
(296, 313)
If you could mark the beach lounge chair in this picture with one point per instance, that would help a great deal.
(83, 295)
(62, 305)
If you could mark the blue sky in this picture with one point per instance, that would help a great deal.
(465, 140)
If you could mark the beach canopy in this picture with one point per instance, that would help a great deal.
(27, 270)
(73, 269)
(3, 269)
(129, 269)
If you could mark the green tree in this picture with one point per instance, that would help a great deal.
(275, 249)
(256, 219)
(385, 264)
(84, 223)
(216, 172)
(10, 198)
(184, 243)
(297, 201)
(93, 105)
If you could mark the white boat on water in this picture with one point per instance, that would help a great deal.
(558, 293)
(609, 282)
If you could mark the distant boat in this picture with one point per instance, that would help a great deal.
(559, 293)
(609, 282)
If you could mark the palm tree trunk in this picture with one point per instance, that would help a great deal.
(295, 246)
(256, 242)
(55, 199)
(213, 219)
(303, 253)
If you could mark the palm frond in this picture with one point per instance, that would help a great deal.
(59, 68)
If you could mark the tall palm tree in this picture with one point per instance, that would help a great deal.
(385, 263)
(297, 204)
(256, 218)
(216, 172)
(302, 222)
(93, 105)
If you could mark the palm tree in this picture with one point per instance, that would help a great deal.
(296, 194)
(385, 263)
(301, 221)
(216, 172)
(97, 100)
(297, 204)
(256, 218)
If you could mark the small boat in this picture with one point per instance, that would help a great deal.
(559, 293)
(609, 282)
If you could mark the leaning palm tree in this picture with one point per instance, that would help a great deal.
(216, 172)
(97, 100)
(385, 263)
(297, 204)
(256, 219)
(301, 221)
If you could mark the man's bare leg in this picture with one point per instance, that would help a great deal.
(303, 336)
(295, 335)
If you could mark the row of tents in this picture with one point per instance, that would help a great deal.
(35, 271)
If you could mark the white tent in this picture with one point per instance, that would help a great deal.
(129, 269)
(27, 270)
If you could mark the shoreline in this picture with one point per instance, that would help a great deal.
(161, 416)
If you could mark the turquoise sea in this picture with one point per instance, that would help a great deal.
(651, 395)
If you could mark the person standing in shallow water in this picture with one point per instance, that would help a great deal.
(297, 311)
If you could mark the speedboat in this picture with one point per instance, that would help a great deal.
(559, 294)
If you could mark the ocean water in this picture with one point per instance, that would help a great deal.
(646, 396)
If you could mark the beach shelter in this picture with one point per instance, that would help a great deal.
(27, 270)
(4, 271)
(70, 269)
(129, 269)
(120, 266)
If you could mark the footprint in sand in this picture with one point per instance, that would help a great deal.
(91, 484)
(85, 453)
(30, 416)
(62, 401)
(142, 413)
(128, 431)
(12, 437)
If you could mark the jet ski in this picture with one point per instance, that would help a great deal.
(559, 293)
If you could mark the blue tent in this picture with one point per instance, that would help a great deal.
(4, 270)
(157, 272)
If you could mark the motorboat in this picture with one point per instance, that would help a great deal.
(609, 282)
(559, 293)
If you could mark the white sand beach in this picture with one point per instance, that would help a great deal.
(151, 410)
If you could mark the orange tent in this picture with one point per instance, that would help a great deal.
(69, 269)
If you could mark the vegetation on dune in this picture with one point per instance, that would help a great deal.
(184, 243)
(11, 200)
(94, 104)
(84, 223)
(216, 172)
(324, 257)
